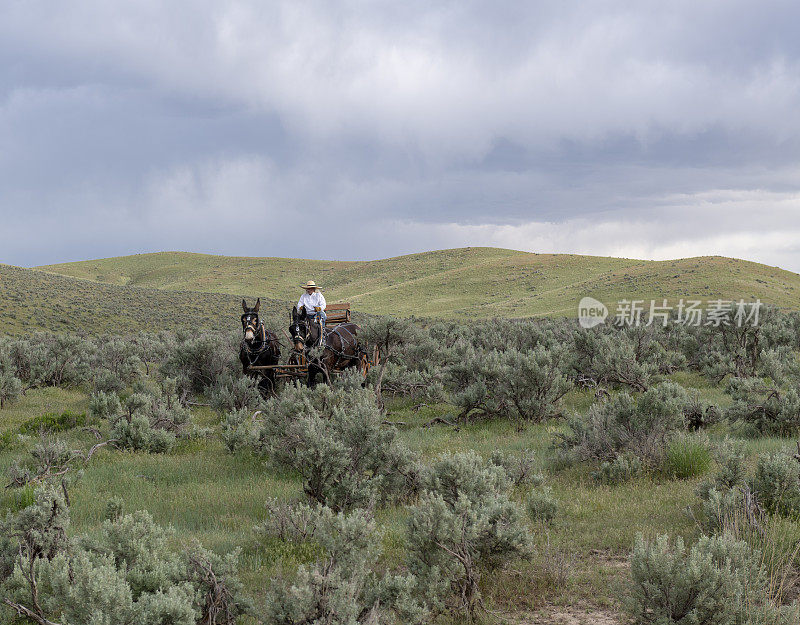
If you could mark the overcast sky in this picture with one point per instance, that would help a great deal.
(357, 130)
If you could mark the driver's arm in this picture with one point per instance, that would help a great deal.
(322, 303)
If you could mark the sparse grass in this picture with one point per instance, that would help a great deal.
(464, 282)
(34, 300)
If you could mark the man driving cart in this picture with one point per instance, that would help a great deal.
(314, 303)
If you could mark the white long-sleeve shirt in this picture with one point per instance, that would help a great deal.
(311, 301)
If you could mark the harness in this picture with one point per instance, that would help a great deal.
(341, 354)
(254, 353)
(326, 344)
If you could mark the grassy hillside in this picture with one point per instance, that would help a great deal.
(463, 282)
(33, 300)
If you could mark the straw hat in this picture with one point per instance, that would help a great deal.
(310, 285)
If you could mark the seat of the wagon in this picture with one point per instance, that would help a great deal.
(337, 313)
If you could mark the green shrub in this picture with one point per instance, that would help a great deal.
(344, 586)
(731, 469)
(230, 393)
(52, 423)
(765, 409)
(687, 455)
(640, 426)
(10, 388)
(533, 382)
(49, 460)
(239, 431)
(138, 433)
(776, 482)
(463, 525)
(731, 499)
(541, 505)
(52, 359)
(472, 378)
(620, 469)
(523, 385)
(152, 419)
(104, 405)
(293, 522)
(6, 440)
(335, 439)
(615, 358)
(197, 362)
(711, 583)
(106, 382)
(520, 468)
(128, 573)
(399, 379)
(37, 531)
(117, 364)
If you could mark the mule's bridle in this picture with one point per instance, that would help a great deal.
(250, 321)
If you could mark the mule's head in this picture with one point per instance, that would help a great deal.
(250, 321)
(299, 328)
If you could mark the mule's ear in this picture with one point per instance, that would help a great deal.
(244, 306)
(258, 305)
(294, 312)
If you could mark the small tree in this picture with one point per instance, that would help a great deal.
(389, 334)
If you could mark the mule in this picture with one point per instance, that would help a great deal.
(340, 349)
(259, 347)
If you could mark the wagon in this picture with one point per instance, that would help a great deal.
(296, 366)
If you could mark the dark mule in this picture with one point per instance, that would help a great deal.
(259, 347)
(340, 350)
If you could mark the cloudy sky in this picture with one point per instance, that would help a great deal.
(356, 130)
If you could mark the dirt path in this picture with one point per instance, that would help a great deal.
(559, 615)
(582, 612)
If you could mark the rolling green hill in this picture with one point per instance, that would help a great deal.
(33, 300)
(479, 282)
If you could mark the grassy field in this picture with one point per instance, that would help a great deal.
(33, 300)
(466, 282)
(206, 493)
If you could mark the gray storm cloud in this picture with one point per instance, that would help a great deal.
(639, 129)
